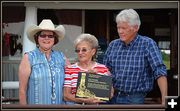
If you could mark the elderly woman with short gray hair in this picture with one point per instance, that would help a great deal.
(85, 46)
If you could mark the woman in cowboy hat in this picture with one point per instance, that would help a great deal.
(41, 71)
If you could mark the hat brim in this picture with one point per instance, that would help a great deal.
(32, 30)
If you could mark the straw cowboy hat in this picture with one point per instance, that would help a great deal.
(46, 24)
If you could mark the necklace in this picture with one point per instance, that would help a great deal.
(52, 81)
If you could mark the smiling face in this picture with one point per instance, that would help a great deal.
(126, 32)
(46, 40)
(85, 52)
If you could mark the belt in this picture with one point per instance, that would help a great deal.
(122, 93)
(118, 92)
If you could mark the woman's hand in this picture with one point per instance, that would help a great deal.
(92, 101)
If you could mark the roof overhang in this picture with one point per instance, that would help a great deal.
(106, 5)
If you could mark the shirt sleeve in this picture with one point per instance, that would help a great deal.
(102, 69)
(155, 60)
(68, 77)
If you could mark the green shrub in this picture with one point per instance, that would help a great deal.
(166, 59)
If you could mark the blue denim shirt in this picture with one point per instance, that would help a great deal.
(43, 73)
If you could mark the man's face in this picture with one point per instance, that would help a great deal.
(126, 32)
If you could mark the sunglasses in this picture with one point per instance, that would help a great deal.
(44, 36)
(82, 50)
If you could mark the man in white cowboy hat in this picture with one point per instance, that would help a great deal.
(41, 71)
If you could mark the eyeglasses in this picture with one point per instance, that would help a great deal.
(44, 36)
(82, 50)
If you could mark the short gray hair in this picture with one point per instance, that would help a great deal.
(91, 39)
(130, 16)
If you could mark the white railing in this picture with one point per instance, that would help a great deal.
(10, 85)
(9, 82)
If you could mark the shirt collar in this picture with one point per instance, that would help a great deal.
(130, 43)
(42, 52)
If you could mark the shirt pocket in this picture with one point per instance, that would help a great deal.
(37, 69)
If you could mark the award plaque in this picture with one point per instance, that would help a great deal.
(93, 85)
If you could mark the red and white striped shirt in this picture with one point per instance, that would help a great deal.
(71, 74)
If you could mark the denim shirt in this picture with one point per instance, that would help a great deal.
(46, 79)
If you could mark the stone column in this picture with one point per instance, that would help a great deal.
(31, 18)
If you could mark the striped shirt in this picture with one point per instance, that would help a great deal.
(134, 66)
(71, 74)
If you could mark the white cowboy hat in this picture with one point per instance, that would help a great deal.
(46, 24)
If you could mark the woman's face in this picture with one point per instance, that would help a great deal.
(84, 51)
(46, 40)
